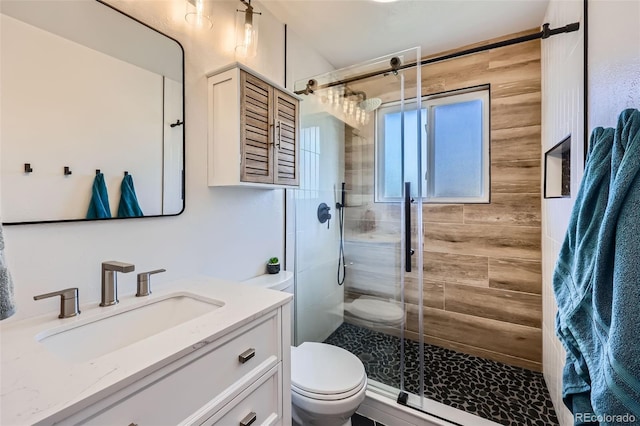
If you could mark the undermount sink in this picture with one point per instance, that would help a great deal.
(81, 342)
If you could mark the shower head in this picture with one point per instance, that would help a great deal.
(366, 104)
(370, 104)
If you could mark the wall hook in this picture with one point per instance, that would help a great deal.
(177, 123)
(126, 173)
(97, 171)
(67, 172)
(27, 168)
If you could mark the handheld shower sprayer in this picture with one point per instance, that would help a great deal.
(342, 267)
(340, 205)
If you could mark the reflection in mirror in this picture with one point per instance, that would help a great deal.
(85, 87)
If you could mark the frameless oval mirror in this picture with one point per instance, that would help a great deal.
(87, 88)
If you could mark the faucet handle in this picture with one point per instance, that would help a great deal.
(69, 301)
(144, 282)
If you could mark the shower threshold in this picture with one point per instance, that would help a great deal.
(433, 412)
(497, 392)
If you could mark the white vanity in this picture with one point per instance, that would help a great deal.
(203, 351)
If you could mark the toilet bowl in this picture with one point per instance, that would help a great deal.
(328, 383)
(374, 312)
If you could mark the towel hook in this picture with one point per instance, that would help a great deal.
(126, 173)
(67, 171)
(177, 123)
(27, 168)
(97, 171)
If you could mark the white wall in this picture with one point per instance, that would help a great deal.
(224, 232)
(314, 258)
(562, 114)
(614, 59)
(318, 296)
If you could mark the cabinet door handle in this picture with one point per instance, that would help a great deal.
(279, 126)
(248, 419)
(246, 355)
(133, 424)
(273, 133)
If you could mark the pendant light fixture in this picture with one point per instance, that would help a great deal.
(247, 31)
(195, 14)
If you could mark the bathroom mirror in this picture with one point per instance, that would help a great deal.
(87, 88)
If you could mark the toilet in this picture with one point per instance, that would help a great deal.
(374, 312)
(328, 383)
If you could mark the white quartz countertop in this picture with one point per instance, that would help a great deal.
(36, 384)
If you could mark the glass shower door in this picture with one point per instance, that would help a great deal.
(359, 273)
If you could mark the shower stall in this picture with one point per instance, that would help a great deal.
(355, 234)
(358, 262)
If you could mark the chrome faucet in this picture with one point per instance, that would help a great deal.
(110, 280)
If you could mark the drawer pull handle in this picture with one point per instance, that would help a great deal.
(246, 355)
(248, 419)
(133, 424)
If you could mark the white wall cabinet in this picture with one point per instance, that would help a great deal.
(253, 134)
(237, 377)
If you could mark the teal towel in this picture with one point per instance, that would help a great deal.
(574, 268)
(616, 288)
(597, 281)
(129, 206)
(99, 205)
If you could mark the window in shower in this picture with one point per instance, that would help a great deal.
(451, 137)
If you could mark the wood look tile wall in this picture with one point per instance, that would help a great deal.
(482, 274)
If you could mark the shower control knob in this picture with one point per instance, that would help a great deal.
(323, 213)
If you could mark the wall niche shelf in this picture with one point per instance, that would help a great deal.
(557, 170)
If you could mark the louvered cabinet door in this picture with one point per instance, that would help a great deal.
(256, 116)
(286, 139)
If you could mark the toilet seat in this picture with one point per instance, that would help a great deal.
(324, 372)
(323, 397)
(375, 310)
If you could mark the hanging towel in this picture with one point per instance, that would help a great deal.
(99, 205)
(616, 292)
(129, 206)
(597, 283)
(574, 268)
(7, 302)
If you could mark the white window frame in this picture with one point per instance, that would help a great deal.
(428, 102)
(379, 163)
(458, 97)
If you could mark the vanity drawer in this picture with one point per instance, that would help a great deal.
(207, 377)
(262, 401)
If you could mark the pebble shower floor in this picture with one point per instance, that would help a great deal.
(502, 393)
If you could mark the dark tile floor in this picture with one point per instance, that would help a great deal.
(359, 420)
(502, 393)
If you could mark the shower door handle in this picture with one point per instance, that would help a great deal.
(408, 251)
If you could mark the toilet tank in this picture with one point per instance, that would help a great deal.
(282, 281)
